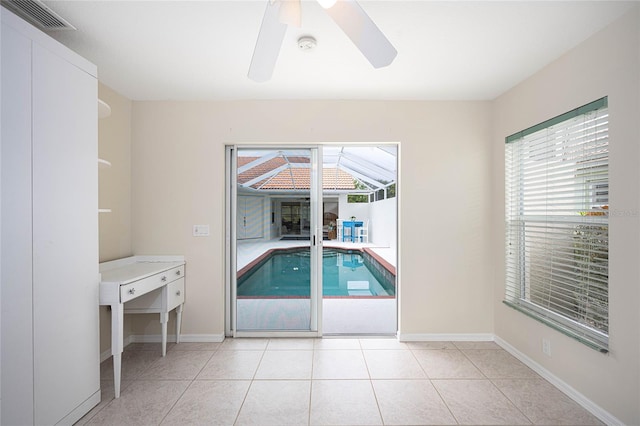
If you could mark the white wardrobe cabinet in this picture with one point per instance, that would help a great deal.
(50, 357)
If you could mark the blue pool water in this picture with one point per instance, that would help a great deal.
(287, 274)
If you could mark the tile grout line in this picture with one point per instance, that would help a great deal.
(434, 386)
(373, 389)
(253, 378)
(313, 358)
(490, 380)
(444, 401)
(473, 363)
(190, 382)
(511, 401)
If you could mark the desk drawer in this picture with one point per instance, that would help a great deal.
(143, 286)
(175, 273)
(175, 294)
(151, 302)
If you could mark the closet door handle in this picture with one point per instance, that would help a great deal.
(178, 272)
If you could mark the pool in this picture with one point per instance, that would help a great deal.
(345, 273)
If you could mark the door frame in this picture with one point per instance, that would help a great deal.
(230, 261)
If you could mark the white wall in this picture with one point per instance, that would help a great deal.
(346, 210)
(383, 223)
(178, 181)
(606, 64)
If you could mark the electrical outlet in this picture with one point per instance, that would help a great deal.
(546, 347)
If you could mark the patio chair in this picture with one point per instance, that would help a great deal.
(363, 232)
(339, 229)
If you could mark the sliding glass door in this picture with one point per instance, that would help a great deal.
(276, 240)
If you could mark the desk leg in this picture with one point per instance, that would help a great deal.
(164, 316)
(117, 343)
(178, 322)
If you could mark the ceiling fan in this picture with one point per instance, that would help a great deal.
(349, 16)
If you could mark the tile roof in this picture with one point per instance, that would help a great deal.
(293, 178)
(264, 168)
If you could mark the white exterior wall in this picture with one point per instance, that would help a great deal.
(383, 223)
(345, 210)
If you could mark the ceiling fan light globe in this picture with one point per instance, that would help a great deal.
(327, 4)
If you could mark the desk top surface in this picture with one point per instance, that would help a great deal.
(128, 270)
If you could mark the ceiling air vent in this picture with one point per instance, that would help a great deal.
(38, 14)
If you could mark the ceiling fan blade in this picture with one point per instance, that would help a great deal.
(364, 33)
(290, 12)
(267, 49)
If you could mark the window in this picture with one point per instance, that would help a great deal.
(357, 198)
(391, 191)
(557, 223)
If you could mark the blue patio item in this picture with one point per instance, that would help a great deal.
(350, 226)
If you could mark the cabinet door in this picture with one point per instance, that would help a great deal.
(17, 345)
(65, 236)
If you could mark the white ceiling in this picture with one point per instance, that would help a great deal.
(447, 50)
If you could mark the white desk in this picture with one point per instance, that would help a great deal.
(140, 285)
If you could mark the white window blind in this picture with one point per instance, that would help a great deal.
(557, 223)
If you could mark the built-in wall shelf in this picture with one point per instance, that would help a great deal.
(104, 110)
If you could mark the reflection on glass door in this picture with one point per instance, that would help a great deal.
(276, 247)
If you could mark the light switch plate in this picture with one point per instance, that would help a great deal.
(200, 230)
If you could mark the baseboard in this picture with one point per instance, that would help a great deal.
(446, 337)
(187, 338)
(592, 407)
(157, 338)
(107, 353)
(82, 409)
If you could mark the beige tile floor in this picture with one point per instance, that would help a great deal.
(333, 381)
